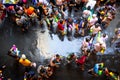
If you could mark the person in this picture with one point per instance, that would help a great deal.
(71, 57)
(69, 27)
(92, 20)
(101, 2)
(61, 27)
(97, 70)
(49, 70)
(116, 36)
(59, 3)
(14, 50)
(25, 62)
(99, 47)
(22, 22)
(81, 61)
(108, 18)
(85, 45)
(45, 71)
(95, 28)
(91, 3)
(1, 71)
(2, 12)
(42, 71)
(104, 37)
(87, 13)
(55, 61)
(29, 75)
(53, 3)
(109, 73)
(111, 2)
(29, 10)
(117, 33)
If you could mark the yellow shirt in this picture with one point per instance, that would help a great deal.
(25, 62)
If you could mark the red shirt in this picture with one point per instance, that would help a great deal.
(81, 60)
(60, 26)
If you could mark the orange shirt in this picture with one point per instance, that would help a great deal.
(29, 11)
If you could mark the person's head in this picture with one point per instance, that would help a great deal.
(56, 12)
(14, 45)
(42, 67)
(72, 55)
(26, 6)
(33, 64)
(101, 65)
(88, 8)
(61, 21)
(52, 14)
(49, 67)
(87, 39)
(97, 25)
(88, 50)
(104, 35)
(23, 56)
(94, 15)
(57, 56)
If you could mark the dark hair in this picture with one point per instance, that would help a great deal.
(97, 24)
(57, 55)
(88, 8)
(61, 21)
(87, 39)
(104, 35)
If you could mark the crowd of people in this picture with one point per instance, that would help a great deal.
(58, 17)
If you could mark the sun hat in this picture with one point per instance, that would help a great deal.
(23, 56)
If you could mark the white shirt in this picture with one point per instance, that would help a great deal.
(44, 2)
(91, 3)
(104, 38)
(86, 13)
(93, 20)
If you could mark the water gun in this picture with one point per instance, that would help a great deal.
(102, 50)
(48, 21)
(89, 18)
(113, 76)
(7, 1)
(100, 72)
(56, 19)
(98, 36)
(91, 30)
(25, 78)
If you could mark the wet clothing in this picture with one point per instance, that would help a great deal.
(53, 2)
(81, 60)
(60, 26)
(29, 11)
(25, 62)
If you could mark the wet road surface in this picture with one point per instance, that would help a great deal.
(27, 44)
